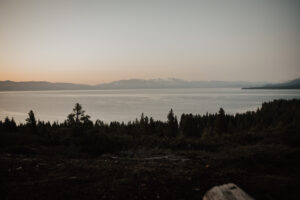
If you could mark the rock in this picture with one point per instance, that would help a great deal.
(228, 191)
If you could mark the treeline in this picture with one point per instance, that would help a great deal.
(191, 131)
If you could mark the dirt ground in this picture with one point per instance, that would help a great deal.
(182, 176)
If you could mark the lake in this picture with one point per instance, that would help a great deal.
(126, 105)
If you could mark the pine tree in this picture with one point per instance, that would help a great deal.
(172, 124)
(77, 117)
(31, 121)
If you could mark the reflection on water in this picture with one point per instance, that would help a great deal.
(126, 105)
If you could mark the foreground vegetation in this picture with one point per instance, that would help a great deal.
(149, 159)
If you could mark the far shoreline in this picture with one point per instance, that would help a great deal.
(267, 88)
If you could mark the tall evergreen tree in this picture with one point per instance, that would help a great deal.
(78, 112)
(172, 124)
(31, 121)
(78, 117)
(220, 123)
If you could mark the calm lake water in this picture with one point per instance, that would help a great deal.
(126, 105)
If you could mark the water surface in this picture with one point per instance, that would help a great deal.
(126, 105)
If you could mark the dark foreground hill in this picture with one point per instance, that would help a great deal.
(149, 159)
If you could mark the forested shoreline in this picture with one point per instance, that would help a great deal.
(206, 132)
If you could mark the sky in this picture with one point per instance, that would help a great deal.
(89, 41)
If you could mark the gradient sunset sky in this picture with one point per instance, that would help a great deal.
(100, 41)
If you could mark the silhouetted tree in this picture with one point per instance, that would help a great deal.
(188, 125)
(78, 117)
(172, 124)
(220, 123)
(9, 125)
(144, 124)
(31, 121)
(78, 112)
(151, 126)
(70, 119)
(99, 123)
(85, 119)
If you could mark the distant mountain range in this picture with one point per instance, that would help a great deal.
(293, 84)
(140, 84)
(173, 83)
(40, 85)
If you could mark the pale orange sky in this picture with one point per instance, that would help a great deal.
(101, 41)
